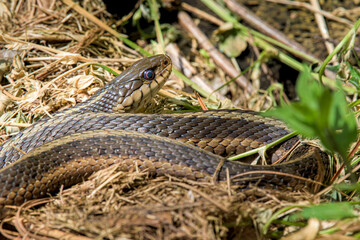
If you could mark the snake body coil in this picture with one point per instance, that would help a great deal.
(90, 136)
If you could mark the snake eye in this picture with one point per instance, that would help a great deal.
(149, 74)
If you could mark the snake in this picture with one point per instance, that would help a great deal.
(109, 128)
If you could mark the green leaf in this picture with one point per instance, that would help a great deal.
(320, 113)
(233, 45)
(204, 53)
(348, 187)
(355, 76)
(136, 17)
(329, 211)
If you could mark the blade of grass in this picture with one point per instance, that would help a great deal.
(102, 25)
(260, 58)
(276, 215)
(263, 42)
(195, 86)
(351, 34)
(154, 9)
(227, 16)
(134, 46)
(262, 150)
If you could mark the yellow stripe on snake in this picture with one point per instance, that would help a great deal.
(93, 135)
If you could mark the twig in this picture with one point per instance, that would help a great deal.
(9, 95)
(18, 221)
(228, 182)
(19, 150)
(52, 233)
(189, 71)
(352, 153)
(286, 153)
(200, 101)
(98, 22)
(217, 171)
(201, 14)
(264, 42)
(33, 45)
(327, 189)
(322, 27)
(115, 60)
(218, 57)
(92, 18)
(309, 7)
(263, 27)
(202, 194)
(11, 124)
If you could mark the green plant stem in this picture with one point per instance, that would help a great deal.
(259, 40)
(195, 86)
(134, 46)
(347, 37)
(263, 149)
(154, 9)
(227, 16)
(186, 104)
(176, 72)
(276, 215)
(260, 58)
(106, 68)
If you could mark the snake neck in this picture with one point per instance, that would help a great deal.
(130, 91)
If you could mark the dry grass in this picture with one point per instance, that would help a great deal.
(115, 204)
(52, 50)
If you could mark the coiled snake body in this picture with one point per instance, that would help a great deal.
(90, 136)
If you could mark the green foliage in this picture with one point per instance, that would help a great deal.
(343, 48)
(346, 187)
(320, 113)
(347, 72)
(355, 76)
(232, 44)
(328, 211)
(207, 57)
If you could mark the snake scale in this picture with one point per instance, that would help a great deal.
(66, 149)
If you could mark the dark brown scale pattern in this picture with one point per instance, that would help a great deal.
(222, 132)
(76, 156)
(82, 139)
(105, 99)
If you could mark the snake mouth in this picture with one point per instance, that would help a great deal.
(160, 79)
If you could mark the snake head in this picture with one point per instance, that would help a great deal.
(132, 89)
(141, 82)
